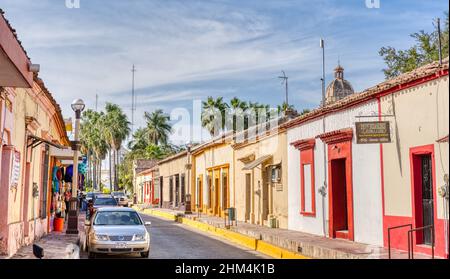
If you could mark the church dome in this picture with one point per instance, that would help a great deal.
(339, 88)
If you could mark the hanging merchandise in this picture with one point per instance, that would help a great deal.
(69, 174)
(62, 173)
(56, 177)
(82, 168)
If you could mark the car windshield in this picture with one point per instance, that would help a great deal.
(89, 195)
(105, 201)
(117, 218)
(118, 194)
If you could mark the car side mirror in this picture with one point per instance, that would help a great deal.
(148, 223)
(87, 223)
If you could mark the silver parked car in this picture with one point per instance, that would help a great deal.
(117, 230)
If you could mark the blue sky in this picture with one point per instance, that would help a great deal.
(189, 49)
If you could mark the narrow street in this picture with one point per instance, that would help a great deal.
(170, 240)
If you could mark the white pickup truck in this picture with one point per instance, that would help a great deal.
(121, 198)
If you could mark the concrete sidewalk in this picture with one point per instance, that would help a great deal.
(56, 245)
(300, 244)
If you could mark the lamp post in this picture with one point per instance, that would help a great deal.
(72, 226)
(188, 207)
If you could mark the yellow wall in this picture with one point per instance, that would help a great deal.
(30, 103)
(170, 168)
(218, 156)
(274, 145)
(423, 125)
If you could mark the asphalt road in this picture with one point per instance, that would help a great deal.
(170, 240)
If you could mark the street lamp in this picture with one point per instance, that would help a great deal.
(188, 206)
(72, 226)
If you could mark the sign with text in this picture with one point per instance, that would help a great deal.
(15, 170)
(373, 132)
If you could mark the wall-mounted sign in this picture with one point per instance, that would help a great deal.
(15, 170)
(373, 132)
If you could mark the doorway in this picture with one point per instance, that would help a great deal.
(200, 193)
(339, 199)
(225, 190)
(216, 192)
(177, 190)
(161, 188)
(210, 190)
(248, 190)
(265, 197)
(423, 197)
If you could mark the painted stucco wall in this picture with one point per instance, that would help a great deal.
(170, 168)
(23, 214)
(274, 145)
(367, 198)
(210, 158)
(427, 122)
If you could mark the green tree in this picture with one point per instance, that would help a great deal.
(425, 50)
(214, 115)
(238, 114)
(94, 143)
(158, 127)
(117, 129)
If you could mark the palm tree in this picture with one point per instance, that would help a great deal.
(117, 129)
(158, 127)
(212, 110)
(139, 141)
(93, 141)
(238, 110)
(285, 107)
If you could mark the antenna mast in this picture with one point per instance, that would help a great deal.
(322, 45)
(285, 81)
(133, 104)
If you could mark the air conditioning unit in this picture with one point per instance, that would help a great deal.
(276, 174)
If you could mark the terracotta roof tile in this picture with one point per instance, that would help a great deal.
(421, 72)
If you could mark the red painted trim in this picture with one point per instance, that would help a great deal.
(320, 113)
(337, 136)
(413, 152)
(382, 178)
(340, 147)
(304, 144)
(307, 158)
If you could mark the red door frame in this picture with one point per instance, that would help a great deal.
(415, 192)
(340, 147)
(306, 148)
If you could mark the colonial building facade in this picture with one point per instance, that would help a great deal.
(31, 126)
(342, 185)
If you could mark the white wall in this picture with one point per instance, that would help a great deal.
(367, 198)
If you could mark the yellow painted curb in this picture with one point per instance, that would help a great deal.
(249, 242)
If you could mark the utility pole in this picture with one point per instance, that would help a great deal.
(322, 45)
(285, 81)
(323, 189)
(133, 104)
(96, 102)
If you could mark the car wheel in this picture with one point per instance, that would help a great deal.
(145, 254)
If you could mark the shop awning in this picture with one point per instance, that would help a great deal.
(257, 162)
(36, 141)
